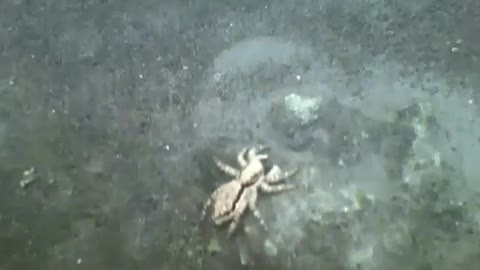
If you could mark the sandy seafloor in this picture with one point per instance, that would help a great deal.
(110, 113)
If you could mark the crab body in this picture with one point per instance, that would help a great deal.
(224, 199)
(231, 200)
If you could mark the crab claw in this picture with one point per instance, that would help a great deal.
(261, 148)
(254, 152)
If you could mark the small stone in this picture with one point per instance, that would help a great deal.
(28, 178)
(270, 248)
(304, 108)
(213, 246)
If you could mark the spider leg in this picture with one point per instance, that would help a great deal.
(241, 158)
(226, 168)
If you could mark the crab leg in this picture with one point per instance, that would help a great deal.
(248, 200)
(208, 203)
(276, 175)
(205, 207)
(237, 215)
(226, 168)
(253, 153)
(252, 204)
(241, 158)
(222, 220)
(265, 187)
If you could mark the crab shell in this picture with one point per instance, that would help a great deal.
(251, 172)
(225, 198)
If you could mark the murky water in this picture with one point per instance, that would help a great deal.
(111, 113)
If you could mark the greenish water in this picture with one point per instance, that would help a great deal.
(111, 113)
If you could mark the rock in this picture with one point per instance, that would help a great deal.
(270, 248)
(294, 116)
(213, 246)
(305, 109)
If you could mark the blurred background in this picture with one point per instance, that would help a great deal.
(111, 113)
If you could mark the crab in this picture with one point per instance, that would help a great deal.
(231, 200)
(250, 168)
(225, 196)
